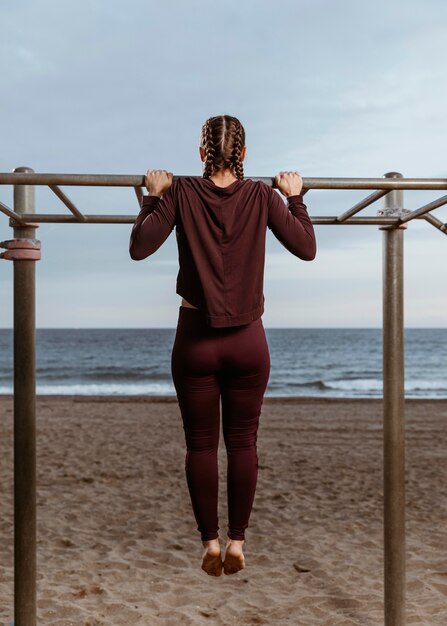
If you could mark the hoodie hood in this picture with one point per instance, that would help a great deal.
(222, 191)
(208, 188)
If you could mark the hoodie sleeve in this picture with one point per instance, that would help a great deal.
(153, 224)
(292, 225)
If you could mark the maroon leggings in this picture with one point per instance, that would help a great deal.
(209, 365)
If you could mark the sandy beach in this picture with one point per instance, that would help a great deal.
(118, 544)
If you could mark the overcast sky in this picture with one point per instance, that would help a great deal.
(344, 89)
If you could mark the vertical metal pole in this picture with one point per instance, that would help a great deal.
(393, 412)
(24, 420)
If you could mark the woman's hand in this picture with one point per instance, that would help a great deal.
(158, 181)
(289, 183)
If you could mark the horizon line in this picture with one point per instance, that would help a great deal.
(267, 327)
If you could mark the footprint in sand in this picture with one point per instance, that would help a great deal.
(89, 590)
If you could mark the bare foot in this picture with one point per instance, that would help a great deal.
(212, 560)
(234, 558)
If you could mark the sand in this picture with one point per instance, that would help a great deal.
(118, 544)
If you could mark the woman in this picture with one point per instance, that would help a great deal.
(220, 352)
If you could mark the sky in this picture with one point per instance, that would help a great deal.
(340, 89)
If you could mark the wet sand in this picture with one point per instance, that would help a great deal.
(118, 544)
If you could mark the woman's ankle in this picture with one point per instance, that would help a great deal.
(212, 539)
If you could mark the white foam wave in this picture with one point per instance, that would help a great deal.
(355, 384)
(109, 389)
(357, 387)
(375, 384)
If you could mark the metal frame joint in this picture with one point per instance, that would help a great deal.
(21, 248)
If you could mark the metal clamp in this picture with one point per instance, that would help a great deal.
(20, 248)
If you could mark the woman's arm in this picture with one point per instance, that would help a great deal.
(291, 225)
(154, 223)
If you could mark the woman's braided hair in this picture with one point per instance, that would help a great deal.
(222, 139)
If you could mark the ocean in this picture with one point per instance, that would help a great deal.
(323, 362)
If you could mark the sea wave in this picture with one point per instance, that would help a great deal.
(352, 388)
(375, 384)
(110, 389)
(357, 387)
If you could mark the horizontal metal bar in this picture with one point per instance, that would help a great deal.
(363, 204)
(48, 218)
(85, 180)
(10, 213)
(130, 219)
(357, 221)
(68, 203)
(122, 180)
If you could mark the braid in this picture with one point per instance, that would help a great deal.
(210, 151)
(222, 140)
(238, 144)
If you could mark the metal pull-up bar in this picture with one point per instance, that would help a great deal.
(382, 187)
(24, 250)
(27, 176)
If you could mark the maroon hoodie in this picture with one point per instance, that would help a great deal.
(221, 233)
